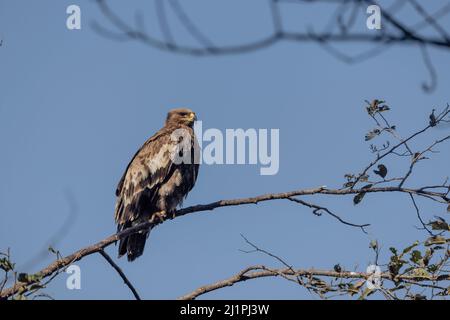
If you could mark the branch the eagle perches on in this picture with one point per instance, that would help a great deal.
(438, 193)
(98, 247)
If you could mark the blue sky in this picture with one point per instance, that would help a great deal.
(74, 107)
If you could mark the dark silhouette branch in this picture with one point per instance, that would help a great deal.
(162, 20)
(404, 36)
(190, 27)
(339, 29)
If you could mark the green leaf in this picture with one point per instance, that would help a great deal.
(439, 224)
(383, 108)
(435, 240)
(348, 184)
(433, 120)
(6, 265)
(52, 250)
(396, 262)
(420, 273)
(373, 244)
(432, 268)
(428, 254)
(349, 176)
(358, 198)
(416, 257)
(22, 277)
(25, 277)
(382, 171)
(364, 178)
(393, 250)
(337, 267)
(372, 134)
(408, 249)
(372, 107)
(376, 106)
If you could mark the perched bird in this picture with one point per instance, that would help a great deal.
(157, 179)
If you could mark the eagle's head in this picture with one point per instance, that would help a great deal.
(182, 116)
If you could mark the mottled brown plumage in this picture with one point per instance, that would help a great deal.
(155, 181)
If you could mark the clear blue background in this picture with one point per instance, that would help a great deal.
(74, 107)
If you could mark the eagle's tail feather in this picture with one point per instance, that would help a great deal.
(133, 245)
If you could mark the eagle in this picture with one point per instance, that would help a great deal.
(157, 179)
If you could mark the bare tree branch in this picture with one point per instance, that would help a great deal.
(339, 29)
(260, 271)
(64, 262)
(312, 279)
(121, 274)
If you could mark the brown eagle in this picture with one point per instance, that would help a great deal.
(157, 179)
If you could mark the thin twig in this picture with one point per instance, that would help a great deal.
(120, 272)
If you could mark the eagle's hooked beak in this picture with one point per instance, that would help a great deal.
(192, 117)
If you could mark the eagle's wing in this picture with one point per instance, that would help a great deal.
(140, 183)
(195, 157)
(152, 138)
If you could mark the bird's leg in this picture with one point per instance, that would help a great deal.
(161, 215)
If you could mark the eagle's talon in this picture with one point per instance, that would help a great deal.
(161, 215)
